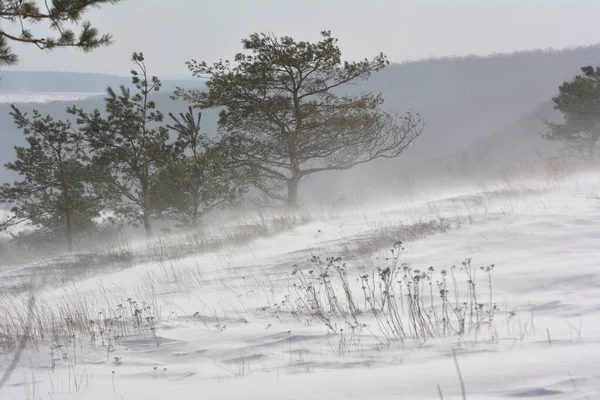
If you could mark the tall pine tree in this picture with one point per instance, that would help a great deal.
(281, 108)
(130, 141)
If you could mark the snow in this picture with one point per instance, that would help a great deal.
(219, 333)
(43, 97)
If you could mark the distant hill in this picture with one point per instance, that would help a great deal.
(470, 97)
(494, 102)
(72, 82)
(521, 139)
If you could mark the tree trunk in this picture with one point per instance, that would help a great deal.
(292, 183)
(69, 227)
(146, 204)
(292, 197)
(147, 224)
(68, 223)
(195, 213)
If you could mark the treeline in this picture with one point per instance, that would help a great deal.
(285, 114)
(280, 122)
(121, 160)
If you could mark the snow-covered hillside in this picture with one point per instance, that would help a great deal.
(277, 318)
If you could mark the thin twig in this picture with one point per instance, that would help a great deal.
(13, 365)
(460, 378)
(440, 392)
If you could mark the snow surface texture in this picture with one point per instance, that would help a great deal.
(227, 325)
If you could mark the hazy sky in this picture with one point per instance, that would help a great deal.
(170, 32)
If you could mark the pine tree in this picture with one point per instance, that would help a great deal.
(58, 14)
(200, 179)
(131, 142)
(281, 108)
(579, 101)
(57, 194)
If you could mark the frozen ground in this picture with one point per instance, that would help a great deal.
(234, 324)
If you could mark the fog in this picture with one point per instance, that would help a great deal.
(481, 114)
(464, 267)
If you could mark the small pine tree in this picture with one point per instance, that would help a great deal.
(579, 102)
(57, 194)
(200, 179)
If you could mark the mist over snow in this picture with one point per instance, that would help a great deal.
(234, 322)
(176, 256)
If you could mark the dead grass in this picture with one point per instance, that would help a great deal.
(403, 301)
(396, 301)
(60, 269)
